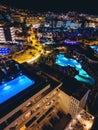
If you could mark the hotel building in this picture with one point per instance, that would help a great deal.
(7, 33)
(37, 102)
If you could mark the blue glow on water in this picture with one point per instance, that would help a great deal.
(95, 48)
(4, 51)
(82, 76)
(11, 88)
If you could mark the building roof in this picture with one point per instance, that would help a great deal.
(40, 83)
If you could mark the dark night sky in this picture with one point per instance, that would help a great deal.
(87, 6)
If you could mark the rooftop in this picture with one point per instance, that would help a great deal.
(21, 89)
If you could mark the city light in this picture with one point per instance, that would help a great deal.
(48, 67)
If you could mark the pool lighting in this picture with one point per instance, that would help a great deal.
(61, 60)
(13, 87)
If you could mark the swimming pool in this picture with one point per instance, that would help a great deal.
(95, 48)
(4, 51)
(82, 76)
(13, 87)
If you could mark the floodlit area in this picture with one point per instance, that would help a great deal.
(82, 121)
(29, 55)
(85, 119)
(25, 56)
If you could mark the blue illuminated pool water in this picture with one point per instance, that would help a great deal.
(95, 48)
(82, 76)
(11, 88)
(4, 51)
